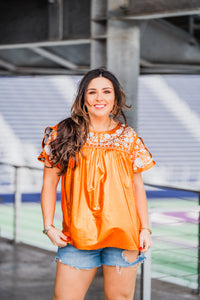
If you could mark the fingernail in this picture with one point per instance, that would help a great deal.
(140, 248)
(68, 238)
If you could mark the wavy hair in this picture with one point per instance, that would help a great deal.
(72, 132)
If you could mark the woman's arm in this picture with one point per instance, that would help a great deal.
(48, 203)
(142, 209)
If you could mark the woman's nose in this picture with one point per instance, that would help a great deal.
(99, 96)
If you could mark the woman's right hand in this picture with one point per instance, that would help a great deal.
(57, 237)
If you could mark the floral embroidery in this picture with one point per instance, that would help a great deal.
(142, 157)
(47, 148)
(50, 134)
(122, 138)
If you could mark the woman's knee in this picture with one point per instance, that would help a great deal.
(67, 297)
(123, 295)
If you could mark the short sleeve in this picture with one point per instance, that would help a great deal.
(142, 158)
(50, 134)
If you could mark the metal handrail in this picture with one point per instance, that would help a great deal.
(18, 197)
(174, 187)
(21, 166)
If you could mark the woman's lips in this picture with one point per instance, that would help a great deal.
(100, 106)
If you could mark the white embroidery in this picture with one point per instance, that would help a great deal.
(138, 162)
(47, 148)
(124, 138)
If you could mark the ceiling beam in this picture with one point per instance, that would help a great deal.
(71, 42)
(55, 58)
(43, 71)
(10, 69)
(162, 8)
(160, 15)
(164, 43)
(150, 68)
(146, 67)
(8, 66)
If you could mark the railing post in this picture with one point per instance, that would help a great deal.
(145, 284)
(17, 206)
(198, 291)
(145, 290)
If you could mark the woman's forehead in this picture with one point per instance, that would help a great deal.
(100, 82)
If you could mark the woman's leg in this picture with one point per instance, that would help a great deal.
(119, 282)
(72, 283)
(119, 286)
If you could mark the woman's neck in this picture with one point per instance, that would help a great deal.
(101, 124)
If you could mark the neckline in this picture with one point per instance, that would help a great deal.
(107, 131)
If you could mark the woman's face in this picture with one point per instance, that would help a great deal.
(100, 97)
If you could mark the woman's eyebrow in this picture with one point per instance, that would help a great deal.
(102, 89)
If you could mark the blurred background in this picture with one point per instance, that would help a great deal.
(153, 47)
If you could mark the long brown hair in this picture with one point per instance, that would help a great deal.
(72, 132)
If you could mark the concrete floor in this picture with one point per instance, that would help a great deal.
(28, 273)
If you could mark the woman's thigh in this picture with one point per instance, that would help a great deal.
(119, 283)
(75, 271)
(120, 270)
(72, 283)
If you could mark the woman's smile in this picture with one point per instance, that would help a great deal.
(99, 106)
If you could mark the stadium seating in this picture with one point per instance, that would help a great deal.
(29, 104)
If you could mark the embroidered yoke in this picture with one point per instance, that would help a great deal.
(97, 198)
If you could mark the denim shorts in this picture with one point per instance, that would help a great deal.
(87, 259)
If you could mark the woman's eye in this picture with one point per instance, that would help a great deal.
(107, 92)
(91, 93)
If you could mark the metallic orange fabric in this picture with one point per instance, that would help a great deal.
(97, 197)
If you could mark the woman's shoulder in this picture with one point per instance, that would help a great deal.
(49, 129)
(64, 123)
(50, 133)
(129, 131)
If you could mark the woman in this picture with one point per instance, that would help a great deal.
(105, 217)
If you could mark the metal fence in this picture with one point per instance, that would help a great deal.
(175, 256)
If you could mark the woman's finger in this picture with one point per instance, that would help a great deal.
(60, 242)
(57, 237)
(54, 236)
(142, 244)
(64, 237)
(145, 241)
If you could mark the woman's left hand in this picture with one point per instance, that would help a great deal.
(145, 240)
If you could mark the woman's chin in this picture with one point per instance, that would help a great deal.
(99, 114)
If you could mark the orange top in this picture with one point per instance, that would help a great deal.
(97, 197)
